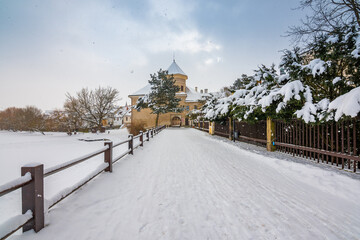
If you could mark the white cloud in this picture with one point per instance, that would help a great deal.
(99, 45)
(209, 61)
(172, 10)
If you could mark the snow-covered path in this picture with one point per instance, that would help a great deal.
(185, 184)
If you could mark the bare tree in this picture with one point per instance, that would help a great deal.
(58, 121)
(92, 106)
(325, 17)
(29, 118)
(73, 114)
(34, 119)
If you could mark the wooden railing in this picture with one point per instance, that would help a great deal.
(251, 132)
(202, 125)
(222, 129)
(32, 178)
(330, 143)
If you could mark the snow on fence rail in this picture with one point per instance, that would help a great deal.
(32, 184)
(63, 166)
(330, 143)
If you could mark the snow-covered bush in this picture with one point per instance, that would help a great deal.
(315, 86)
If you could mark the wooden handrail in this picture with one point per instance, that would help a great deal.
(138, 145)
(137, 136)
(73, 162)
(253, 139)
(121, 156)
(120, 143)
(321, 151)
(15, 229)
(77, 187)
(13, 185)
(39, 175)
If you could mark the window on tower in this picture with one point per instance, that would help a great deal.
(182, 88)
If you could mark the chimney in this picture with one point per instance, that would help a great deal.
(206, 90)
(195, 89)
(201, 91)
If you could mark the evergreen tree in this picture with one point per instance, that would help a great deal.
(242, 82)
(162, 97)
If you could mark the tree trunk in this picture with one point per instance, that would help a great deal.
(157, 120)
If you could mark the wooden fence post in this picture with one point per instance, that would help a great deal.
(270, 135)
(233, 129)
(147, 135)
(108, 156)
(131, 144)
(142, 138)
(230, 129)
(33, 196)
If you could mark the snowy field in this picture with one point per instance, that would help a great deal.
(20, 148)
(185, 184)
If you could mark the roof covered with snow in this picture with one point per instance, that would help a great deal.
(175, 69)
(191, 94)
(142, 91)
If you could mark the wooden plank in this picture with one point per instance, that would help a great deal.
(310, 143)
(303, 137)
(327, 142)
(337, 142)
(354, 143)
(332, 142)
(306, 139)
(342, 144)
(322, 143)
(348, 150)
(335, 154)
(318, 143)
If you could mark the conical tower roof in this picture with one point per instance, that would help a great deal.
(175, 69)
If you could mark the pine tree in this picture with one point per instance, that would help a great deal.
(162, 97)
(242, 82)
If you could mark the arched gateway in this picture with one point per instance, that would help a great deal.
(176, 121)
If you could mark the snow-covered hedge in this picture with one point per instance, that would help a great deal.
(316, 87)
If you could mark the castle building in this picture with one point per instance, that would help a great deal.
(190, 100)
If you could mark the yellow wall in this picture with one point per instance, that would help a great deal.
(145, 117)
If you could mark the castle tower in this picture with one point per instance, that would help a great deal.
(179, 76)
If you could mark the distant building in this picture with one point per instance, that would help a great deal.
(121, 117)
(190, 100)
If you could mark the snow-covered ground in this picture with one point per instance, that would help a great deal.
(185, 184)
(20, 148)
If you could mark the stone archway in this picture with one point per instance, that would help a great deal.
(176, 121)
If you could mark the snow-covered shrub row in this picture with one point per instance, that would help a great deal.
(316, 85)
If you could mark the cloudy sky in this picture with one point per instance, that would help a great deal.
(51, 47)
